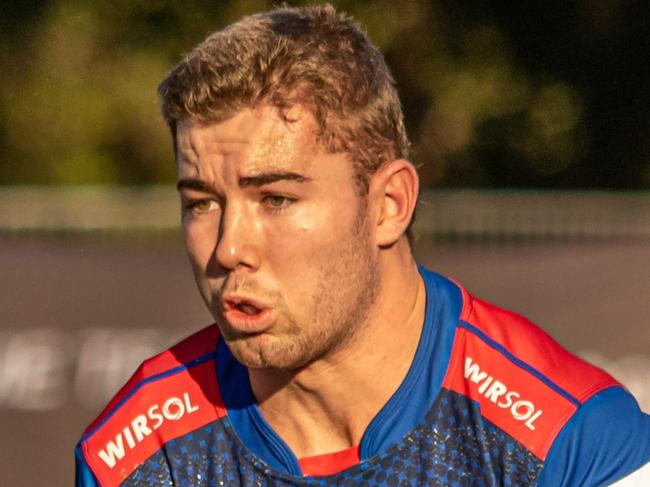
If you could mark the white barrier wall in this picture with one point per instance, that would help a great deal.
(44, 369)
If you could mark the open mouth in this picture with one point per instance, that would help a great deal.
(247, 308)
(246, 315)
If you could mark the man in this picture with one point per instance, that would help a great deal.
(335, 359)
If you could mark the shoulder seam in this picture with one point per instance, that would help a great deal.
(599, 387)
(467, 302)
(519, 363)
(161, 375)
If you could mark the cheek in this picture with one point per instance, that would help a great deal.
(200, 241)
(304, 235)
(302, 250)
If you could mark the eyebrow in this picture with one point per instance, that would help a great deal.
(272, 177)
(195, 184)
(257, 180)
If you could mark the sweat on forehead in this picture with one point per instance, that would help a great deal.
(255, 141)
(264, 130)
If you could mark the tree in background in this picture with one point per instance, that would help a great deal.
(549, 94)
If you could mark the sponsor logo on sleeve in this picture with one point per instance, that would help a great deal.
(498, 392)
(147, 414)
(509, 395)
(144, 424)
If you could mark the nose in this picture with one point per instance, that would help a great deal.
(236, 244)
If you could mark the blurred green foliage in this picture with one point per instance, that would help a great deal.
(494, 95)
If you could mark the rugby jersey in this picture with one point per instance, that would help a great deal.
(489, 400)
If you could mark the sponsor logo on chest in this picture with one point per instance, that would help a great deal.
(498, 393)
(172, 409)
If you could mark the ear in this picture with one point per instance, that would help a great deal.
(394, 192)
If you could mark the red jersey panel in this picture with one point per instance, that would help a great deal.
(525, 382)
(170, 395)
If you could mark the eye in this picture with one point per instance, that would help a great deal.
(277, 202)
(202, 206)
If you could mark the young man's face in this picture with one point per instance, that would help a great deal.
(277, 234)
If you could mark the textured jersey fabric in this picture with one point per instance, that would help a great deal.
(489, 400)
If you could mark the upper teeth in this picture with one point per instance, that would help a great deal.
(247, 308)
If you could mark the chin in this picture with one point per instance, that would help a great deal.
(265, 355)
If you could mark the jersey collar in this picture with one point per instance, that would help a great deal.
(415, 395)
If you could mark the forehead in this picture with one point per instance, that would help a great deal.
(252, 138)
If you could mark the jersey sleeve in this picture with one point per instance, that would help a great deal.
(169, 396)
(605, 440)
(83, 476)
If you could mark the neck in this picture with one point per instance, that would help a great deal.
(326, 406)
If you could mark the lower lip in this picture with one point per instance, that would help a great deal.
(246, 323)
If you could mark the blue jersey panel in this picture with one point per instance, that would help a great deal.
(454, 446)
(83, 476)
(607, 438)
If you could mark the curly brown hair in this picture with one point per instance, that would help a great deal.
(313, 56)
